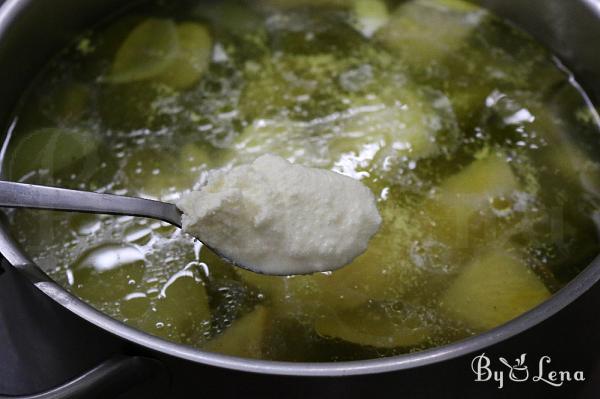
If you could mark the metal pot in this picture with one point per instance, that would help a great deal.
(31, 31)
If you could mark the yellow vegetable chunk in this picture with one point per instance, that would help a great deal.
(134, 305)
(51, 149)
(289, 297)
(455, 5)
(184, 303)
(181, 312)
(305, 3)
(399, 124)
(244, 338)
(424, 30)
(103, 273)
(192, 59)
(383, 272)
(564, 155)
(370, 15)
(493, 289)
(176, 55)
(157, 174)
(197, 157)
(372, 326)
(282, 137)
(280, 85)
(69, 103)
(469, 194)
(481, 180)
(378, 133)
(147, 52)
(574, 165)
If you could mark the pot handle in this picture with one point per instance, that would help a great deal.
(112, 377)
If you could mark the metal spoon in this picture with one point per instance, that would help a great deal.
(20, 195)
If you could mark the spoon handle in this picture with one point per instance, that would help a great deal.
(20, 195)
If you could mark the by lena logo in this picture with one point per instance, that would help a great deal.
(518, 371)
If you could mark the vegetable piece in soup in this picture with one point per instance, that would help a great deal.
(245, 336)
(492, 289)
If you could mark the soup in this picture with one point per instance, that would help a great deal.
(476, 142)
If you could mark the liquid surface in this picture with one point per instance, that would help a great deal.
(475, 143)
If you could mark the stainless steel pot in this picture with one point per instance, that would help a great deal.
(31, 31)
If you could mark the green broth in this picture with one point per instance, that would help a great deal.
(475, 143)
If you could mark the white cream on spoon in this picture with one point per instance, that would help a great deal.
(278, 218)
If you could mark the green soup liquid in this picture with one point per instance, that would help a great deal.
(475, 141)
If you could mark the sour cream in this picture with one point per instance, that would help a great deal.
(275, 217)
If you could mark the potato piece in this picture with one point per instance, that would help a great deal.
(303, 31)
(158, 49)
(493, 289)
(134, 305)
(184, 303)
(477, 188)
(156, 174)
(305, 3)
(403, 123)
(51, 149)
(382, 120)
(373, 326)
(293, 296)
(271, 286)
(440, 39)
(219, 269)
(244, 338)
(481, 180)
(455, 5)
(429, 125)
(575, 165)
(67, 103)
(103, 273)
(231, 18)
(147, 52)
(272, 136)
(291, 86)
(363, 141)
(432, 39)
(386, 132)
(181, 312)
(195, 157)
(383, 272)
(192, 59)
(288, 139)
(563, 155)
(422, 31)
(136, 105)
(369, 15)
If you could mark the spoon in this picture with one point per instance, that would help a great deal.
(21, 195)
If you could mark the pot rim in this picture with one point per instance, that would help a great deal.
(19, 259)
